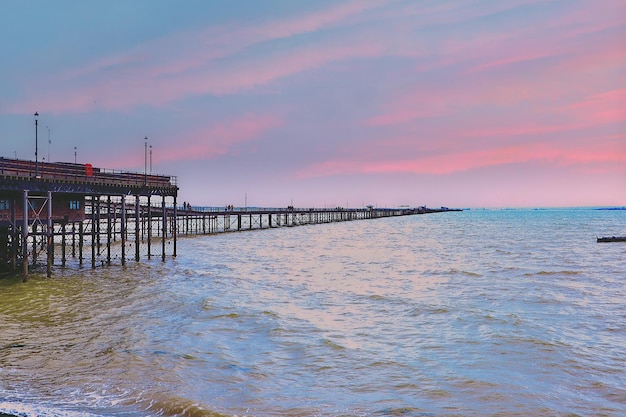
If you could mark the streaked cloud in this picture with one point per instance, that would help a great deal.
(325, 92)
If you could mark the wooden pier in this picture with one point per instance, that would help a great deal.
(220, 220)
(64, 214)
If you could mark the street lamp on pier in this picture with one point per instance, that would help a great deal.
(150, 159)
(145, 161)
(36, 146)
(49, 144)
(75, 153)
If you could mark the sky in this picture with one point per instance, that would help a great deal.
(458, 103)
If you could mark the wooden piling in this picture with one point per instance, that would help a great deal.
(98, 226)
(175, 229)
(137, 222)
(109, 230)
(149, 226)
(25, 239)
(81, 242)
(50, 236)
(73, 239)
(15, 236)
(63, 243)
(123, 229)
(163, 228)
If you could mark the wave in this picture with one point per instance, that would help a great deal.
(403, 412)
(455, 271)
(549, 273)
(427, 310)
(174, 406)
(17, 409)
(333, 345)
(451, 271)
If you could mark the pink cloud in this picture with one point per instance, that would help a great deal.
(404, 115)
(134, 91)
(521, 130)
(137, 88)
(511, 60)
(556, 70)
(421, 102)
(586, 154)
(207, 61)
(580, 40)
(601, 108)
(203, 142)
(219, 139)
(317, 20)
(589, 18)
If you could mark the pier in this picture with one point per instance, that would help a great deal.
(64, 214)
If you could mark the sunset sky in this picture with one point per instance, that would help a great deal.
(462, 103)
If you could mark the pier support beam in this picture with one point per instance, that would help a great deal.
(93, 232)
(98, 214)
(33, 254)
(175, 230)
(63, 243)
(163, 229)
(123, 229)
(81, 241)
(15, 236)
(25, 239)
(149, 226)
(73, 239)
(137, 222)
(109, 230)
(50, 237)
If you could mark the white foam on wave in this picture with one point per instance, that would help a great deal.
(36, 410)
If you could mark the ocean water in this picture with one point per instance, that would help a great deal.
(477, 313)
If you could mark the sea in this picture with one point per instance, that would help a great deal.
(490, 312)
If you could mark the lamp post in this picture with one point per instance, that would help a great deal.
(49, 143)
(145, 161)
(36, 146)
(74, 154)
(150, 159)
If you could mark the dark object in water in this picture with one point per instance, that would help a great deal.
(612, 239)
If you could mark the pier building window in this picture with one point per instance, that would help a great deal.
(74, 205)
(4, 205)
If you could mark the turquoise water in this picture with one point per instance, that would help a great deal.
(483, 312)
